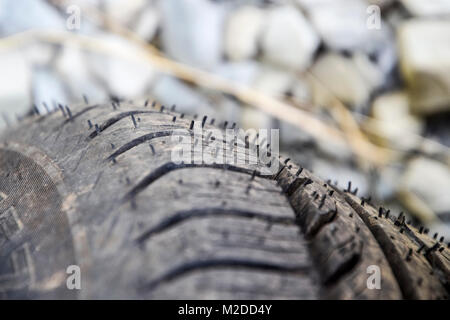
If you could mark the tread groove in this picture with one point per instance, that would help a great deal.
(76, 115)
(138, 141)
(108, 123)
(181, 216)
(190, 267)
(171, 166)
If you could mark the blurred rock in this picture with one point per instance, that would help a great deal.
(437, 128)
(300, 90)
(386, 181)
(169, 91)
(39, 54)
(422, 8)
(123, 77)
(192, 31)
(124, 11)
(394, 125)
(381, 3)
(147, 24)
(307, 4)
(336, 152)
(242, 32)
(396, 16)
(341, 173)
(128, 79)
(72, 66)
(273, 81)
(443, 229)
(227, 109)
(430, 181)
(243, 72)
(424, 58)
(292, 138)
(289, 40)
(48, 88)
(254, 119)
(342, 24)
(351, 80)
(385, 56)
(15, 86)
(17, 16)
(371, 72)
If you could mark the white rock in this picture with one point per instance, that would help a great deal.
(73, 69)
(15, 85)
(430, 181)
(443, 229)
(228, 109)
(386, 55)
(192, 31)
(339, 151)
(128, 79)
(169, 91)
(147, 24)
(288, 40)
(341, 173)
(17, 16)
(307, 4)
(424, 50)
(344, 25)
(273, 81)
(39, 53)
(371, 73)
(301, 90)
(387, 182)
(341, 23)
(124, 11)
(349, 79)
(392, 120)
(48, 88)
(124, 76)
(255, 119)
(243, 72)
(422, 8)
(242, 32)
(291, 135)
(381, 3)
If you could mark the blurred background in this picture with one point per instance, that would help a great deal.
(360, 89)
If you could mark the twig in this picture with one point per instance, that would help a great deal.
(358, 141)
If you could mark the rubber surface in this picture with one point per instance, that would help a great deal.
(95, 186)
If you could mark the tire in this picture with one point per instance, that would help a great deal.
(94, 186)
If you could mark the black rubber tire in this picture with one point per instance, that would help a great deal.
(94, 186)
